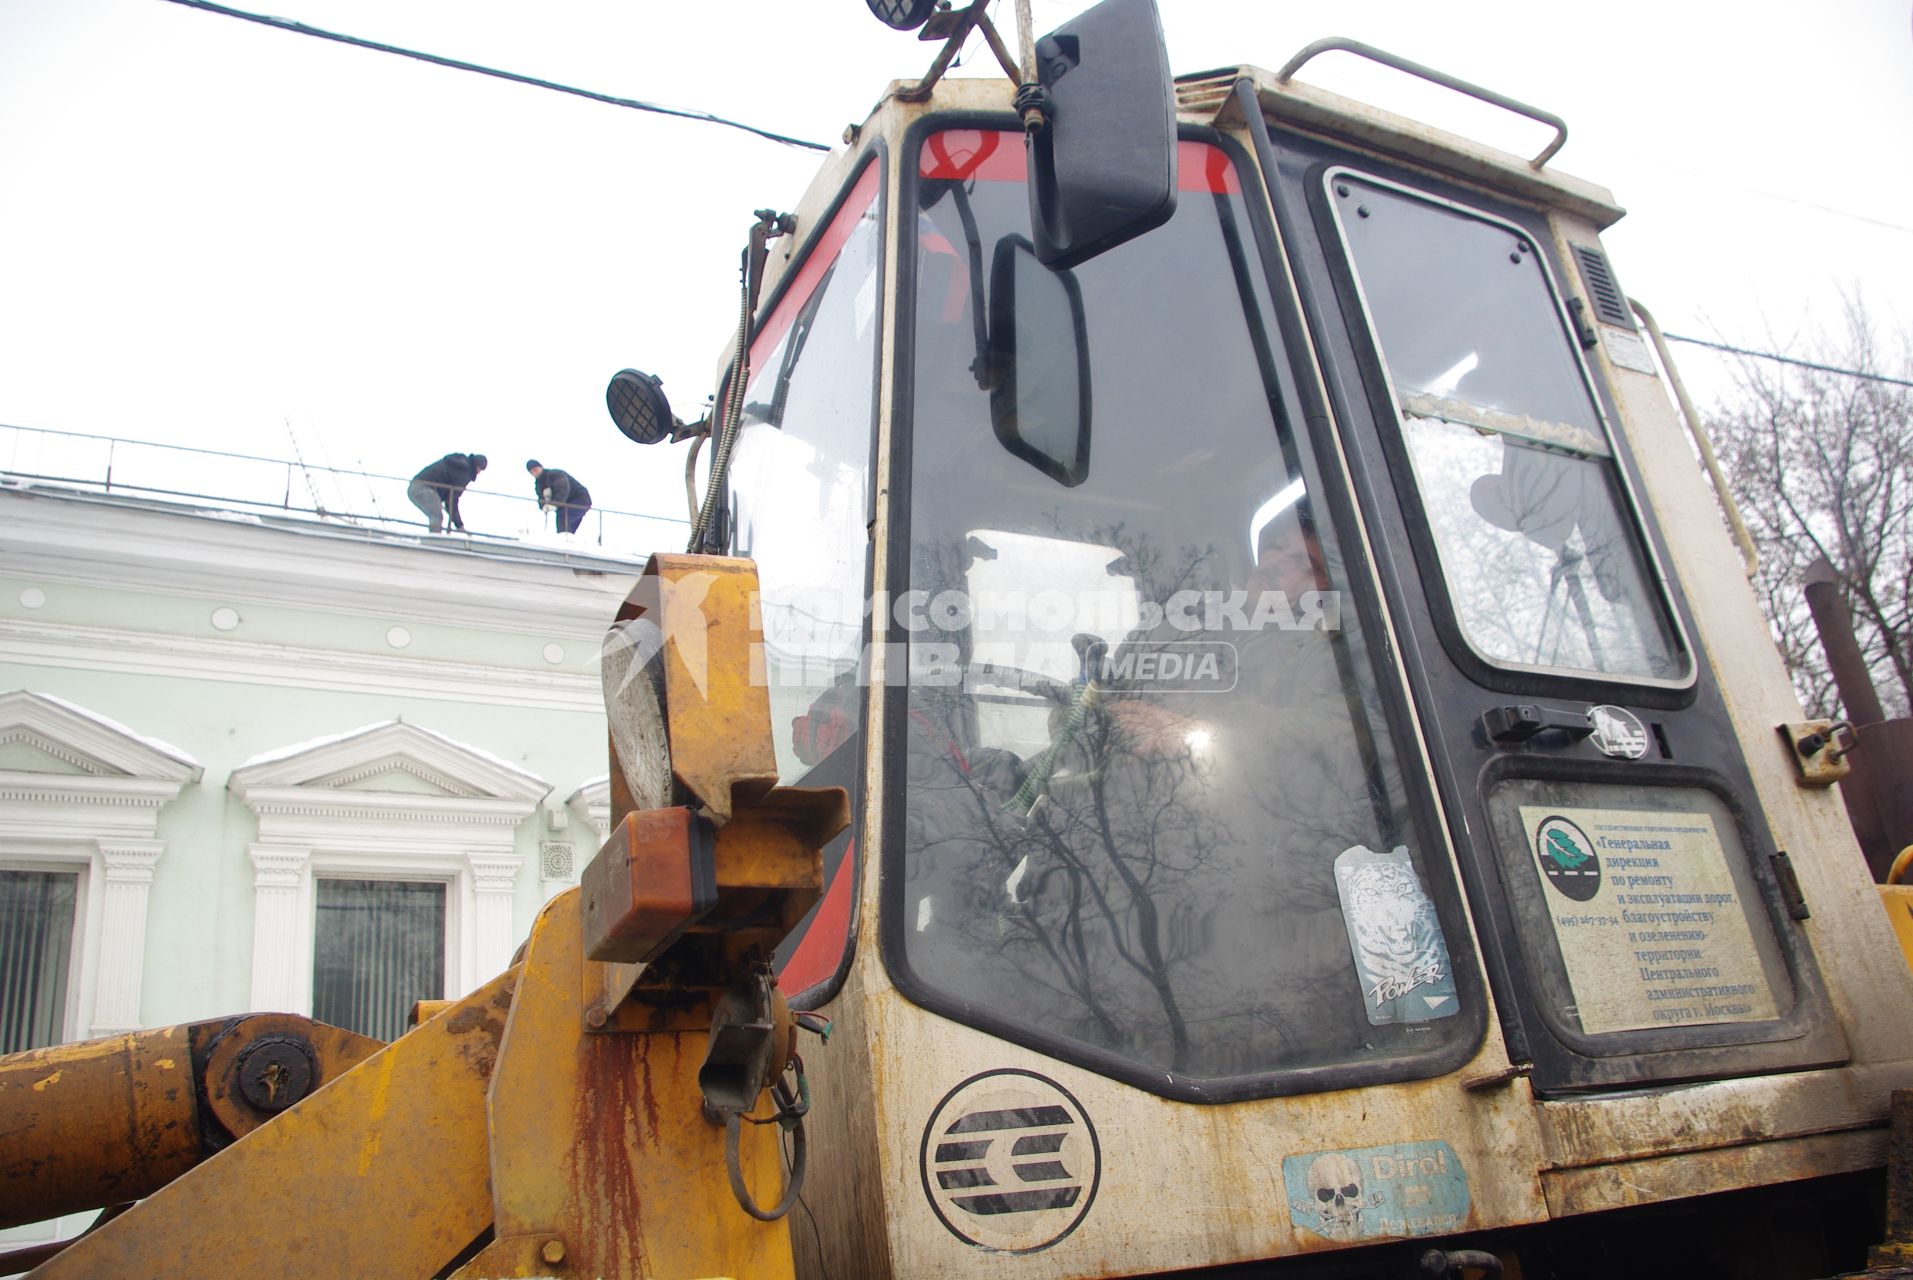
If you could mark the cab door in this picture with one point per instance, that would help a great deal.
(1634, 914)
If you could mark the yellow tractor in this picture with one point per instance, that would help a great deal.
(1210, 720)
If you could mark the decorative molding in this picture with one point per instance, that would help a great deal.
(594, 797)
(91, 742)
(317, 767)
(131, 861)
(279, 913)
(72, 647)
(309, 828)
(106, 819)
(235, 559)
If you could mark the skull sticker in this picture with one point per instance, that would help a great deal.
(1374, 1193)
(1335, 1185)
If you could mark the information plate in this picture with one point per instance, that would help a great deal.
(1651, 926)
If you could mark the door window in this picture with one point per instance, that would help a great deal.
(1542, 563)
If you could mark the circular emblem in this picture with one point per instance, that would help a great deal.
(1567, 858)
(1618, 732)
(1010, 1161)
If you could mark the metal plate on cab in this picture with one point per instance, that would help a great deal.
(1010, 1161)
(1627, 350)
(1618, 732)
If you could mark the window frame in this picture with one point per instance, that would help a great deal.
(839, 905)
(83, 865)
(1293, 372)
(1495, 673)
(387, 874)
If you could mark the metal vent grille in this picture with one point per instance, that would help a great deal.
(1610, 304)
(555, 861)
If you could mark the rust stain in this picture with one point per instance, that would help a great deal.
(612, 1088)
(647, 1096)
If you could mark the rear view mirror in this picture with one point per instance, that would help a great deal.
(1039, 363)
(1103, 169)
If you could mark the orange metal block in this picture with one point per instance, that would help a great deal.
(653, 879)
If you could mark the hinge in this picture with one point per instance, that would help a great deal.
(1789, 883)
(1583, 326)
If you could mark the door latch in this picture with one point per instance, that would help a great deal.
(1520, 722)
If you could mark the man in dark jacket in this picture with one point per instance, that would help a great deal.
(435, 490)
(557, 490)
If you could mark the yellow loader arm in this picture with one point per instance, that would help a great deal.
(582, 1114)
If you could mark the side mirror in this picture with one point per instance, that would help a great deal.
(1039, 362)
(1103, 169)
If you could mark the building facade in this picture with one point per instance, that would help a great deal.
(262, 763)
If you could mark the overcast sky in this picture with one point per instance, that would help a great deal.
(220, 234)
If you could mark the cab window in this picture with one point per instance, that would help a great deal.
(1516, 481)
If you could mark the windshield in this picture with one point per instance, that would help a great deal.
(1154, 819)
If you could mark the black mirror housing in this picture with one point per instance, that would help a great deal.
(1103, 169)
(1039, 363)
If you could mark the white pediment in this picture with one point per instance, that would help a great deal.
(594, 797)
(390, 758)
(70, 775)
(40, 733)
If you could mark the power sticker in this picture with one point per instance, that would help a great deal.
(1399, 952)
(1010, 1161)
(1412, 1189)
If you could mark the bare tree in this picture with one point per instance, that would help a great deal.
(1822, 465)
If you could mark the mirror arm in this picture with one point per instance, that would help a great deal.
(769, 225)
(983, 368)
(959, 32)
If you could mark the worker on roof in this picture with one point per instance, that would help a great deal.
(435, 489)
(558, 491)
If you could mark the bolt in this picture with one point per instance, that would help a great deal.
(553, 1252)
(595, 1017)
(1341, 189)
(1515, 258)
(1361, 210)
(275, 1072)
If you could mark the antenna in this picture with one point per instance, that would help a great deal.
(304, 470)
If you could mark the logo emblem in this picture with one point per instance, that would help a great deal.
(1010, 1161)
(1568, 858)
(1618, 732)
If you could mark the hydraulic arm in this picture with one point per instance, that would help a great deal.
(587, 1112)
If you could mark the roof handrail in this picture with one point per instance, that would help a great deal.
(1345, 45)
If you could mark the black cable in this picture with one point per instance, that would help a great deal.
(1804, 364)
(300, 28)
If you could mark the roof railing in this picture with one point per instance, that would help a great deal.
(335, 495)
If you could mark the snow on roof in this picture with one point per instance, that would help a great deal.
(313, 744)
(589, 784)
(163, 747)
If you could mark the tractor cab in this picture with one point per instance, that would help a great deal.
(1308, 790)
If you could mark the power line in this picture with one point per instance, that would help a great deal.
(1778, 359)
(300, 28)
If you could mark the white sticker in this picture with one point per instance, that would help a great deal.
(1393, 931)
(1627, 350)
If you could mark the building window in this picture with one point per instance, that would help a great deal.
(379, 946)
(36, 956)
